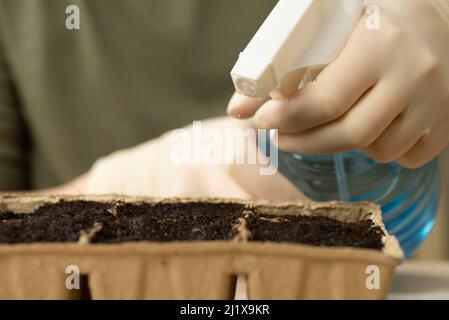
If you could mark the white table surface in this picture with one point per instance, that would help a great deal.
(413, 280)
(421, 280)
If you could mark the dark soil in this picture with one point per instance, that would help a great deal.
(171, 222)
(314, 230)
(63, 222)
(193, 221)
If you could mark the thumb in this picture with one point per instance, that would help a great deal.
(243, 107)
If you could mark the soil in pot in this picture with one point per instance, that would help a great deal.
(69, 221)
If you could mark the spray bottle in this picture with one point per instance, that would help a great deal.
(299, 38)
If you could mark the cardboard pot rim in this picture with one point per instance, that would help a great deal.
(391, 251)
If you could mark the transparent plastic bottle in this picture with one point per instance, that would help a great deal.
(409, 198)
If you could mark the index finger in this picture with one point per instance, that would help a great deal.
(243, 107)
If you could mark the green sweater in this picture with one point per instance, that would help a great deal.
(135, 69)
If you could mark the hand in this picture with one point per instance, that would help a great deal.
(150, 170)
(387, 92)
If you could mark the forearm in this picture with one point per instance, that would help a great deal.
(77, 186)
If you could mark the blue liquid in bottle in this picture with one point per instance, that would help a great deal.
(409, 198)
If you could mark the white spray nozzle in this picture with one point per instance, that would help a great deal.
(297, 34)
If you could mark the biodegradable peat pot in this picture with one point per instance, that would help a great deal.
(144, 248)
